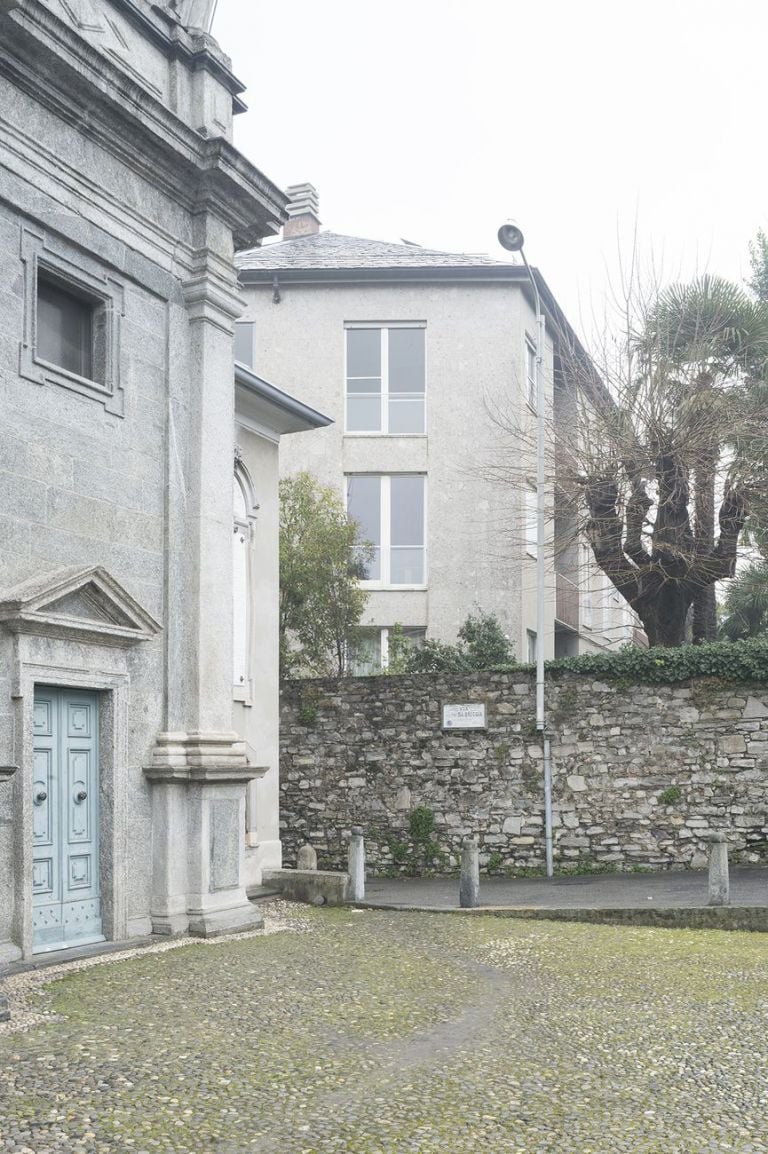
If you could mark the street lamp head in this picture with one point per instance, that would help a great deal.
(511, 236)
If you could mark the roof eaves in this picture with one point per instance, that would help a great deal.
(390, 273)
(266, 391)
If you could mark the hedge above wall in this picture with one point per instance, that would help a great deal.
(727, 660)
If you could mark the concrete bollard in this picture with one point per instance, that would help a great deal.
(719, 887)
(306, 858)
(469, 884)
(357, 865)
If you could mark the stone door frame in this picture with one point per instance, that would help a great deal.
(112, 689)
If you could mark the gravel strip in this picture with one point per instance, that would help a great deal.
(22, 990)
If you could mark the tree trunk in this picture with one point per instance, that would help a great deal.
(664, 614)
(705, 615)
(704, 603)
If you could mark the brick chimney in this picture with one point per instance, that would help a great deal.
(302, 208)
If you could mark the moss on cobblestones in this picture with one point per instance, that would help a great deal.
(383, 1033)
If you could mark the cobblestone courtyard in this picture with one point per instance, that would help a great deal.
(383, 1032)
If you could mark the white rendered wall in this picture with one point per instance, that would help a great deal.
(475, 337)
(256, 719)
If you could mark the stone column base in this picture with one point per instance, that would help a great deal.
(214, 923)
(169, 925)
(198, 824)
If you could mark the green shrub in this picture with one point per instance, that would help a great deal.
(421, 824)
(726, 660)
(670, 795)
(398, 849)
(481, 644)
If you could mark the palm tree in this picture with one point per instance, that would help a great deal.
(709, 343)
(745, 609)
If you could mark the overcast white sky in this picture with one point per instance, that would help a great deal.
(434, 120)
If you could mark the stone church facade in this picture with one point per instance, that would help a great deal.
(138, 787)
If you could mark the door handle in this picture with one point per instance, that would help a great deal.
(40, 797)
(81, 795)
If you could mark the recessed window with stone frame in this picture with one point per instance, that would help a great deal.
(73, 307)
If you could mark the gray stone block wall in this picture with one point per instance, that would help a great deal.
(116, 176)
(82, 486)
(368, 751)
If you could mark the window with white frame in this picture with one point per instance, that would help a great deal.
(369, 648)
(244, 509)
(586, 586)
(530, 373)
(615, 618)
(390, 512)
(530, 637)
(364, 653)
(531, 513)
(599, 607)
(385, 379)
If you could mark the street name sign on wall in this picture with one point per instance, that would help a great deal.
(468, 716)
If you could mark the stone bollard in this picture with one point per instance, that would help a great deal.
(306, 859)
(469, 884)
(357, 865)
(719, 890)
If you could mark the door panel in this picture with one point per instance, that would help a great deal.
(79, 795)
(65, 882)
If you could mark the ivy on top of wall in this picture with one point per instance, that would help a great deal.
(727, 660)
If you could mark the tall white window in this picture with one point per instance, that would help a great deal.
(385, 379)
(531, 644)
(244, 509)
(530, 374)
(531, 513)
(586, 586)
(391, 515)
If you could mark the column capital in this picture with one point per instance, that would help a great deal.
(199, 757)
(211, 299)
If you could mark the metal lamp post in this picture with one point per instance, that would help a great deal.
(511, 238)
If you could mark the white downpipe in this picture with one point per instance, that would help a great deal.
(540, 567)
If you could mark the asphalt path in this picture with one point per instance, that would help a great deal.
(669, 889)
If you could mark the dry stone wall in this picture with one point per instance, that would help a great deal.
(641, 774)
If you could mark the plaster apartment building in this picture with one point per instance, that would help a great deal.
(421, 357)
(138, 482)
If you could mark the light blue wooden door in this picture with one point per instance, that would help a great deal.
(65, 794)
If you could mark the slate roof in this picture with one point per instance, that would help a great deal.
(332, 250)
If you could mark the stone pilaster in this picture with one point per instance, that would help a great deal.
(199, 767)
(198, 834)
(8, 952)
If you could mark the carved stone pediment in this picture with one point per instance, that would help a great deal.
(104, 27)
(194, 13)
(81, 604)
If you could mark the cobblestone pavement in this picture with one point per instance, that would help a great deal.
(380, 1033)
